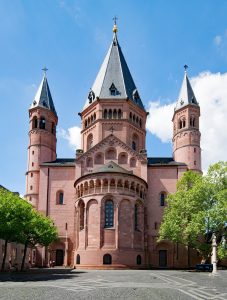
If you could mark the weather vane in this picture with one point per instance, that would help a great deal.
(45, 70)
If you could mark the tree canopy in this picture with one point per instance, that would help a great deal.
(198, 209)
(21, 223)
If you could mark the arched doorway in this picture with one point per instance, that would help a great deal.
(107, 259)
(59, 257)
(78, 259)
(162, 258)
(138, 260)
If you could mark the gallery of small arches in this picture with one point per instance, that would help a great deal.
(40, 123)
(183, 122)
(111, 154)
(111, 185)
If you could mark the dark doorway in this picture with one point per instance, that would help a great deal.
(59, 257)
(107, 259)
(78, 259)
(162, 258)
(138, 260)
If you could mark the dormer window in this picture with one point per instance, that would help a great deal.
(91, 96)
(135, 95)
(113, 90)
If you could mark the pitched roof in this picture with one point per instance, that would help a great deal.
(163, 161)
(43, 96)
(111, 167)
(114, 80)
(186, 95)
(60, 162)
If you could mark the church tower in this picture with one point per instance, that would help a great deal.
(186, 134)
(113, 104)
(42, 137)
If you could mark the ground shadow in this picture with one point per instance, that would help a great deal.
(40, 275)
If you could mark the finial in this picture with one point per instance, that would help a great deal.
(185, 68)
(115, 18)
(45, 71)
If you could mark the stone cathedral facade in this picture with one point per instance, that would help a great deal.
(108, 201)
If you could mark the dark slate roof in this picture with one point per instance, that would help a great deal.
(43, 97)
(186, 95)
(60, 162)
(114, 73)
(163, 161)
(112, 167)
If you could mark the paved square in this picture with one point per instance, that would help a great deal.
(114, 284)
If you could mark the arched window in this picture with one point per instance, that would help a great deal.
(78, 259)
(130, 116)
(94, 116)
(140, 123)
(85, 123)
(135, 142)
(109, 214)
(134, 145)
(60, 198)
(115, 114)
(89, 162)
(90, 141)
(105, 114)
(134, 118)
(34, 123)
(99, 158)
(110, 153)
(122, 158)
(110, 114)
(136, 216)
(81, 215)
(162, 199)
(119, 113)
(133, 162)
(107, 259)
(138, 260)
(42, 123)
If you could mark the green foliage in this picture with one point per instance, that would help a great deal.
(20, 222)
(198, 207)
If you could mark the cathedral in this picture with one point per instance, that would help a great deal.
(107, 202)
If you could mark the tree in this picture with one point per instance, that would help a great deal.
(21, 223)
(198, 209)
(40, 230)
(13, 211)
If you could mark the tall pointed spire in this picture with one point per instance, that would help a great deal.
(114, 80)
(43, 96)
(186, 95)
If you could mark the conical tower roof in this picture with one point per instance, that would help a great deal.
(186, 95)
(43, 96)
(114, 80)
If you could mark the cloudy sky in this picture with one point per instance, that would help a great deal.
(71, 37)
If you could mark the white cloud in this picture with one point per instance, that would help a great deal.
(211, 92)
(217, 40)
(159, 120)
(72, 135)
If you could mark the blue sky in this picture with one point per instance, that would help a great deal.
(72, 37)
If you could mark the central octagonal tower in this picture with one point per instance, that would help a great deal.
(111, 169)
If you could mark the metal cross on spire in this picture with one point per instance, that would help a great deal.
(115, 18)
(45, 71)
(185, 68)
(111, 129)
